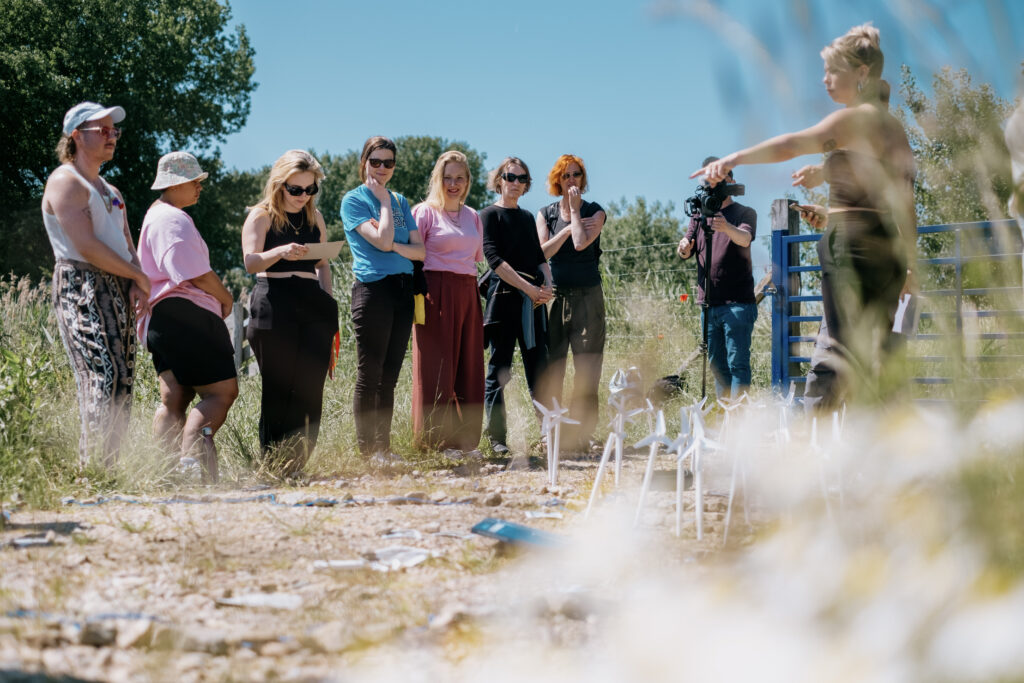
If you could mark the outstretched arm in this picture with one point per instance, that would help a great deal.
(834, 131)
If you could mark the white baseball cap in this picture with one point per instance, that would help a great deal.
(89, 111)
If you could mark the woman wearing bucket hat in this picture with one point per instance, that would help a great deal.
(98, 283)
(185, 331)
(293, 317)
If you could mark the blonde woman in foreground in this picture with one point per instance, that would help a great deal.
(867, 250)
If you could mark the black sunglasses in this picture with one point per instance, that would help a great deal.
(574, 174)
(513, 178)
(386, 163)
(297, 190)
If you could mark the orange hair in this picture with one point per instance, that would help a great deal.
(555, 176)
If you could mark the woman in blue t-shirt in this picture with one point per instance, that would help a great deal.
(384, 241)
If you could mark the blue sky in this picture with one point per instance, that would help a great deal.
(641, 90)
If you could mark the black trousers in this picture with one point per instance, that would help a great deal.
(382, 313)
(292, 323)
(502, 338)
(577, 321)
(862, 273)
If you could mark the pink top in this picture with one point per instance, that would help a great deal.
(451, 245)
(171, 253)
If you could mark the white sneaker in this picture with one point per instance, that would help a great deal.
(188, 468)
(386, 461)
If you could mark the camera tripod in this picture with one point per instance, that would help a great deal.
(705, 307)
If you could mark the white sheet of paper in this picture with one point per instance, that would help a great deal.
(324, 250)
(901, 313)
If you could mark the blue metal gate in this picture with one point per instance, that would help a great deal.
(961, 247)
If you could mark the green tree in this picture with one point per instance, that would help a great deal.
(182, 76)
(640, 237)
(416, 157)
(963, 171)
(222, 209)
(957, 138)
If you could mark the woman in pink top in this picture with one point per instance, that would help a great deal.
(448, 349)
(185, 330)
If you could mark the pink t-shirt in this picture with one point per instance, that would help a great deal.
(172, 252)
(451, 245)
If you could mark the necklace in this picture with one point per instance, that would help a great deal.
(294, 227)
(108, 201)
(454, 215)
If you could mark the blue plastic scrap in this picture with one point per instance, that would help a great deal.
(517, 534)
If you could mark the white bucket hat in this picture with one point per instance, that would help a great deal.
(177, 168)
(89, 111)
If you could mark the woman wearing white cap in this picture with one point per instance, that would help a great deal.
(98, 284)
(185, 331)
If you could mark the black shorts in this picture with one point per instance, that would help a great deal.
(191, 342)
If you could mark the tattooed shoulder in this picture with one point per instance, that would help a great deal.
(829, 145)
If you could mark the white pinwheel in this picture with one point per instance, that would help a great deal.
(552, 422)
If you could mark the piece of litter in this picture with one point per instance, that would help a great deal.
(452, 534)
(397, 557)
(271, 600)
(33, 541)
(543, 514)
(414, 534)
(330, 565)
(510, 532)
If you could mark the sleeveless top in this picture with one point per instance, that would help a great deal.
(303, 234)
(107, 224)
(860, 181)
(569, 267)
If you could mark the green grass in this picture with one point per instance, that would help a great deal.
(648, 327)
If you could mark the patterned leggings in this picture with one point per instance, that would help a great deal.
(97, 326)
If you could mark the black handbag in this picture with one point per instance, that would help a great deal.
(483, 283)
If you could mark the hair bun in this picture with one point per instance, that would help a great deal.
(865, 35)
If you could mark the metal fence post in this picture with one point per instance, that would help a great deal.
(784, 222)
(237, 331)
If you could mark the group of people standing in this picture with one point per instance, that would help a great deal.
(542, 285)
(167, 288)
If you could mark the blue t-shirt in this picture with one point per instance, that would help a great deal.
(368, 262)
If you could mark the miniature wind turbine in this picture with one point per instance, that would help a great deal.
(552, 422)
(699, 443)
(654, 439)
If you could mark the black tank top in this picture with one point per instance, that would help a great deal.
(302, 234)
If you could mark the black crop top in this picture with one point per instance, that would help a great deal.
(304, 234)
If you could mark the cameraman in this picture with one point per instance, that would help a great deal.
(731, 306)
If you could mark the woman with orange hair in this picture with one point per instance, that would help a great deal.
(570, 235)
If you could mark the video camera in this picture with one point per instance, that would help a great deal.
(707, 200)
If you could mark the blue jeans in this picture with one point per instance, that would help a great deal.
(729, 329)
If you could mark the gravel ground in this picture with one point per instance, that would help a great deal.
(209, 588)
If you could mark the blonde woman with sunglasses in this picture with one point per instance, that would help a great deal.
(292, 315)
